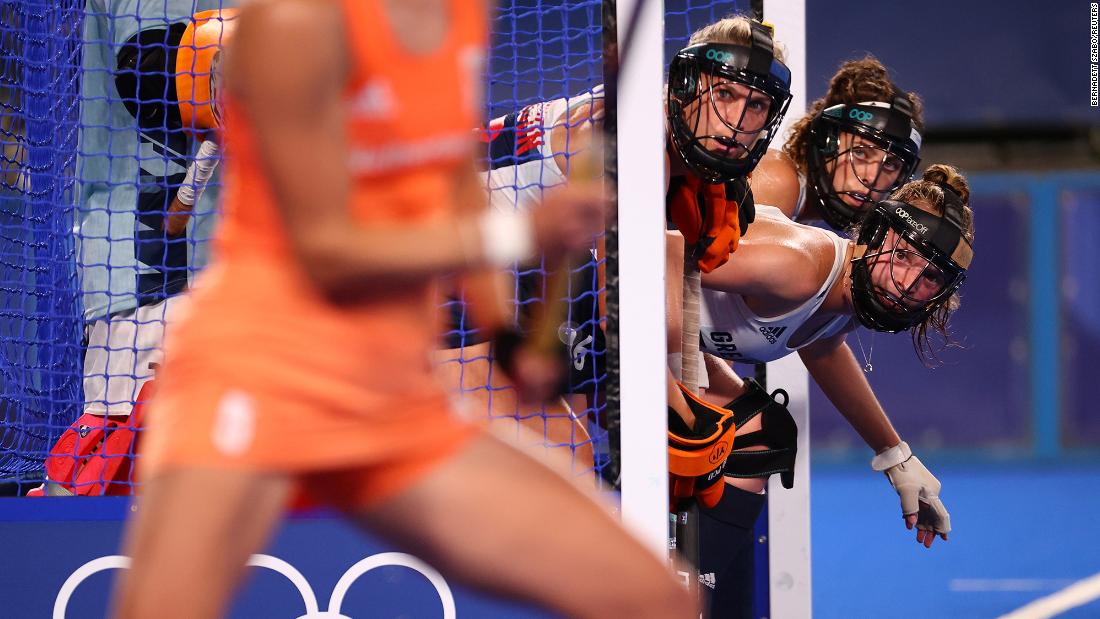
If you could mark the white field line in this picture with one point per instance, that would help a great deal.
(1077, 594)
(979, 585)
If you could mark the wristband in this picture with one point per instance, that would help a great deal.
(891, 457)
(507, 237)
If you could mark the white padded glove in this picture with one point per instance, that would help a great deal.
(919, 489)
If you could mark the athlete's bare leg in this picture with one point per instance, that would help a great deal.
(190, 539)
(497, 519)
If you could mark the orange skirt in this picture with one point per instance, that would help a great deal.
(210, 413)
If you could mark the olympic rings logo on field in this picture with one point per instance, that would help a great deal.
(292, 574)
(860, 115)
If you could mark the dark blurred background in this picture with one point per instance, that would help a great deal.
(1006, 93)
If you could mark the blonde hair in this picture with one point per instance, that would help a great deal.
(855, 81)
(929, 190)
(736, 30)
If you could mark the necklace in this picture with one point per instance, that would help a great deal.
(867, 367)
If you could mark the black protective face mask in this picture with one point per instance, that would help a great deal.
(882, 155)
(745, 88)
(926, 262)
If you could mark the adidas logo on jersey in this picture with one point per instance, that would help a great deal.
(708, 580)
(373, 100)
(772, 333)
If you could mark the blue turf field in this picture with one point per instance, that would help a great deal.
(1019, 533)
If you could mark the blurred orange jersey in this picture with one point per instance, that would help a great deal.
(311, 372)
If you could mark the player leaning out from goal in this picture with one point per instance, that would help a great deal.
(855, 145)
(792, 287)
(748, 88)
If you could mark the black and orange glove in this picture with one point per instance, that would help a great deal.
(712, 217)
(697, 455)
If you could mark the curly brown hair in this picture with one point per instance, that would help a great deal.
(855, 81)
(928, 194)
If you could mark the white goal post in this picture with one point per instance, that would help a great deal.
(642, 311)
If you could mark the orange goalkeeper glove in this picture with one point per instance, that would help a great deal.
(712, 217)
(697, 455)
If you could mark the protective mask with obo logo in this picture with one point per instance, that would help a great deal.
(881, 155)
(900, 279)
(743, 91)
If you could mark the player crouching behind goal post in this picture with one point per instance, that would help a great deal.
(902, 272)
(732, 90)
(728, 91)
(329, 388)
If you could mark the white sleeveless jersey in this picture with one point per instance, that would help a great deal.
(521, 158)
(801, 204)
(730, 330)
